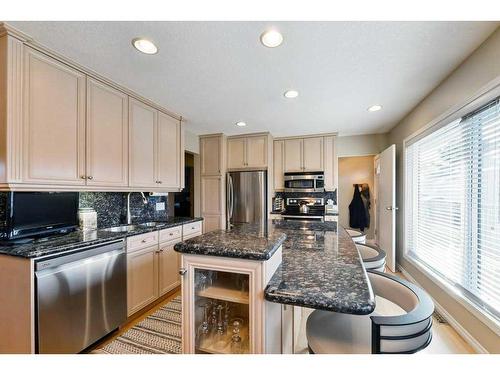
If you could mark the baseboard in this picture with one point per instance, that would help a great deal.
(456, 325)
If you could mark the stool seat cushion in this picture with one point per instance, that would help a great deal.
(334, 333)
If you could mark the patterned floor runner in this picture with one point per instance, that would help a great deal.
(159, 333)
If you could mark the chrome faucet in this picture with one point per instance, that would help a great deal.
(129, 216)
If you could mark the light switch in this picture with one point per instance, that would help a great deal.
(160, 206)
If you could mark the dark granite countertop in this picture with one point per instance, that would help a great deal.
(321, 269)
(80, 239)
(234, 243)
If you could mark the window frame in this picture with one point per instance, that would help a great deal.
(479, 99)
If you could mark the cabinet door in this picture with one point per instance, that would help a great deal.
(257, 152)
(54, 121)
(331, 164)
(211, 222)
(312, 150)
(142, 144)
(278, 155)
(293, 155)
(168, 268)
(107, 135)
(169, 152)
(211, 193)
(211, 155)
(142, 278)
(236, 150)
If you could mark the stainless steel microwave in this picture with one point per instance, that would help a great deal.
(304, 182)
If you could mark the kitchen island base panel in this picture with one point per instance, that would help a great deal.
(261, 326)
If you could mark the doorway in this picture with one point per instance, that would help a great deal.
(356, 170)
(183, 203)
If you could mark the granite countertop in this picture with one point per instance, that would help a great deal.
(246, 244)
(79, 239)
(321, 269)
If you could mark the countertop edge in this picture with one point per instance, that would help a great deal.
(75, 246)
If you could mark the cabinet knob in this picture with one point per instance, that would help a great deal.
(143, 241)
(90, 177)
(182, 271)
(171, 234)
(83, 177)
(160, 182)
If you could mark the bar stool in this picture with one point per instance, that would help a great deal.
(373, 257)
(356, 235)
(380, 332)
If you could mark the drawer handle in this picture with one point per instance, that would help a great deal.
(143, 241)
(171, 234)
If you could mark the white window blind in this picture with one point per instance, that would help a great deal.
(452, 204)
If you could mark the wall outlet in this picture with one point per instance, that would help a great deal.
(160, 206)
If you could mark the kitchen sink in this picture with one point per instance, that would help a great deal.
(121, 228)
(149, 224)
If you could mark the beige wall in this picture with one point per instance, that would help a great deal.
(360, 145)
(191, 142)
(354, 170)
(479, 69)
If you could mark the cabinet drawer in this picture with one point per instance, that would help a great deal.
(170, 234)
(191, 228)
(141, 241)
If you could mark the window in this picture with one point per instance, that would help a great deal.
(452, 204)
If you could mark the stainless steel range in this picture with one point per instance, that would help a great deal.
(304, 208)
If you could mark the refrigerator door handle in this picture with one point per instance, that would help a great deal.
(229, 199)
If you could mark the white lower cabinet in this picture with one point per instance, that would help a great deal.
(153, 264)
(224, 311)
(168, 268)
(142, 278)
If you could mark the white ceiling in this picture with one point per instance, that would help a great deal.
(217, 73)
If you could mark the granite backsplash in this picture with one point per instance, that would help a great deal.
(111, 207)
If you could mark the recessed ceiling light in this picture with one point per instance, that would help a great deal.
(145, 46)
(375, 108)
(290, 94)
(241, 123)
(271, 38)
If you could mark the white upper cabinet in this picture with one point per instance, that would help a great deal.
(247, 152)
(107, 135)
(308, 154)
(66, 129)
(293, 155)
(312, 154)
(279, 168)
(169, 151)
(211, 155)
(331, 163)
(143, 145)
(54, 122)
(256, 153)
(236, 152)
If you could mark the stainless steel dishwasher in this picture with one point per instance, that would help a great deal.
(80, 297)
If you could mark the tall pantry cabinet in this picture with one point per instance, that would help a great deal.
(213, 174)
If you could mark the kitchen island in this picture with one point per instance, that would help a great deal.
(318, 267)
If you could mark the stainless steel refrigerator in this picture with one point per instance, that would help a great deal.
(246, 197)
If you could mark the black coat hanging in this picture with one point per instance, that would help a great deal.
(357, 212)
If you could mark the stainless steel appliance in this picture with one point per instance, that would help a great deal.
(305, 208)
(304, 182)
(246, 197)
(80, 297)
